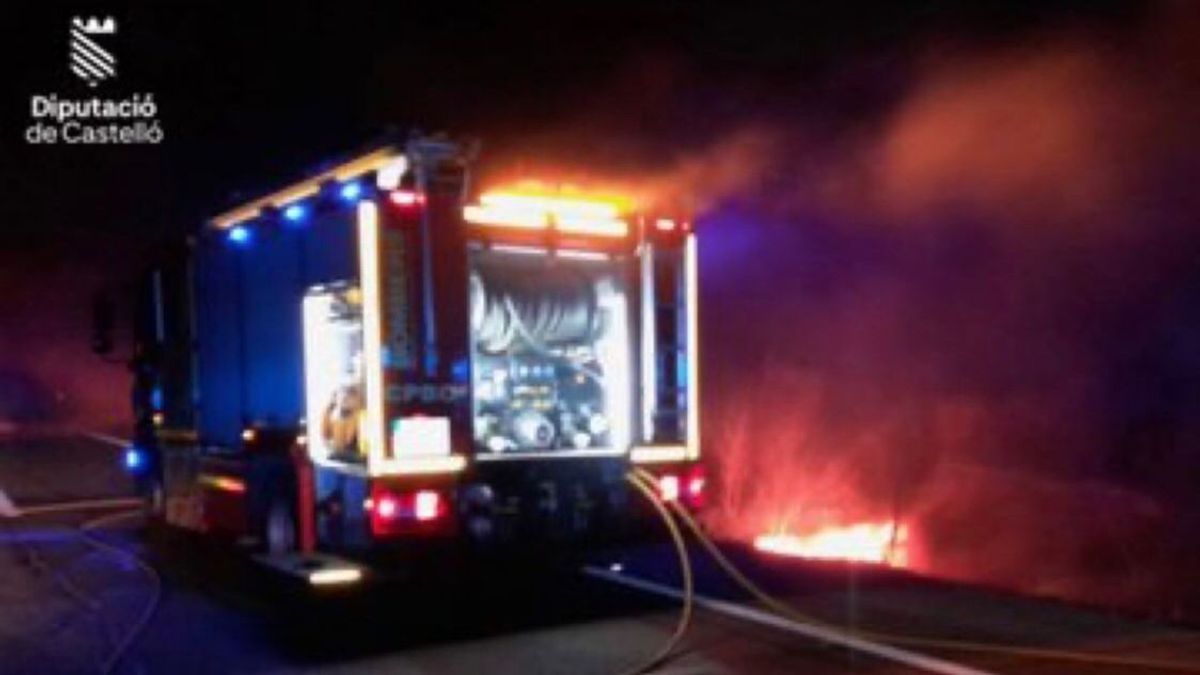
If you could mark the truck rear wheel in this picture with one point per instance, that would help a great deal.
(280, 527)
(154, 501)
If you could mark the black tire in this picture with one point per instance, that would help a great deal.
(154, 501)
(279, 527)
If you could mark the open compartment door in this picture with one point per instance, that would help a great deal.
(670, 420)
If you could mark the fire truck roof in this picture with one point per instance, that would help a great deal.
(346, 171)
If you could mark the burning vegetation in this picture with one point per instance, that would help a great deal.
(880, 543)
(959, 339)
(954, 328)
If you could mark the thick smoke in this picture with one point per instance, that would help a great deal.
(48, 375)
(973, 309)
(976, 314)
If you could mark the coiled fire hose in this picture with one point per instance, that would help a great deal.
(646, 481)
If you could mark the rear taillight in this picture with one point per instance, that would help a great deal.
(694, 493)
(393, 512)
(427, 505)
(386, 507)
(684, 484)
(668, 487)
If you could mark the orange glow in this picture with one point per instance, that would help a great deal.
(222, 483)
(883, 543)
(531, 206)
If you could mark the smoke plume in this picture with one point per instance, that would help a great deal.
(973, 308)
(976, 313)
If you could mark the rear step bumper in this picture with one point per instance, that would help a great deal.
(316, 569)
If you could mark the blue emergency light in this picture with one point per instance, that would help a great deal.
(135, 459)
(239, 234)
(351, 191)
(295, 213)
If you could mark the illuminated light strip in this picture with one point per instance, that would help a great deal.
(372, 316)
(551, 454)
(281, 198)
(482, 215)
(535, 219)
(559, 206)
(335, 576)
(419, 465)
(692, 296)
(649, 377)
(611, 227)
(650, 454)
(253, 209)
(223, 483)
(521, 250)
(316, 351)
(615, 360)
(571, 254)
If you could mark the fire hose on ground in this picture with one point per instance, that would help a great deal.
(685, 570)
(86, 533)
(645, 482)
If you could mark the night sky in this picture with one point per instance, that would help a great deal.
(972, 224)
(254, 96)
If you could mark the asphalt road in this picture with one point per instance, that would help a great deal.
(66, 606)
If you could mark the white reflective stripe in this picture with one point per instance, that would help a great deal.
(372, 317)
(649, 374)
(692, 299)
(337, 575)
(646, 454)
(419, 465)
(106, 439)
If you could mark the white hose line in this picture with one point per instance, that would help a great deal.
(9, 509)
(78, 505)
(105, 439)
(151, 607)
(886, 652)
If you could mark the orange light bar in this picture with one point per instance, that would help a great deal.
(578, 215)
(600, 207)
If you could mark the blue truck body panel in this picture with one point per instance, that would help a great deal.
(249, 331)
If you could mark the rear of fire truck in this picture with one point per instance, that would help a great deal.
(379, 361)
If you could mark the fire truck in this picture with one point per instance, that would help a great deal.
(380, 360)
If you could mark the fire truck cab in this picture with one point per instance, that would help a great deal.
(379, 359)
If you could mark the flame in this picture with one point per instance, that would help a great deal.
(883, 543)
